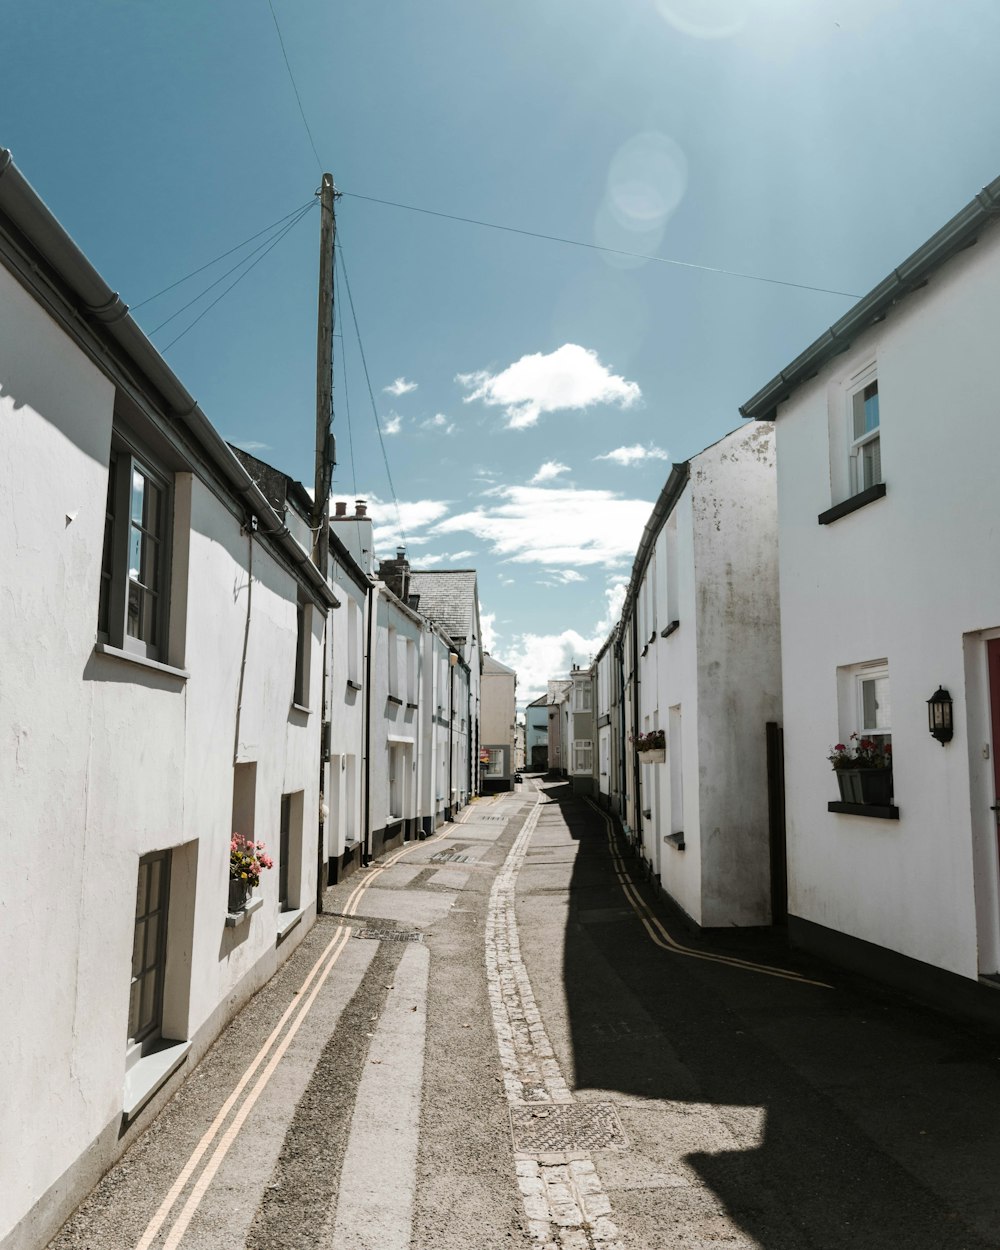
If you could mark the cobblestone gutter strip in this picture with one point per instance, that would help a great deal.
(563, 1196)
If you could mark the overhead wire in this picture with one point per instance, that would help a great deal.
(208, 265)
(273, 244)
(291, 77)
(279, 234)
(371, 393)
(598, 247)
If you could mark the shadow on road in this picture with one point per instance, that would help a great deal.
(861, 1120)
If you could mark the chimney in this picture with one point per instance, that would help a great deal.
(340, 508)
(396, 574)
(360, 507)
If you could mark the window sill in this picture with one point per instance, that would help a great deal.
(853, 504)
(235, 918)
(411, 707)
(287, 920)
(665, 633)
(872, 810)
(353, 685)
(301, 707)
(392, 699)
(676, 840)
(150, 1074)
(117, 653)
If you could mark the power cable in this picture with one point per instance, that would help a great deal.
(294, 87)
(194, 272)
(347, 393)
(371, 393)
(239, 264)
(597, 247)
(274, 243)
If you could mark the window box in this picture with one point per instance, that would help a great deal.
(865, 785)
(657, 756)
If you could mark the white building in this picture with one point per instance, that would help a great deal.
(700, 641)
(889, 591)
(450, 599)
(581, 734)
(499, 704)
(444, 707)
(162, 636)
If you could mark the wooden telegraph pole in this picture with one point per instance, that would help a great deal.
(324, 378)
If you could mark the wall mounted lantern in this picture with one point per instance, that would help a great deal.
(939, 718)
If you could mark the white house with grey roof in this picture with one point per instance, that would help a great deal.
(450, 598)
(499, 712)
(162, 627)
(888, 509)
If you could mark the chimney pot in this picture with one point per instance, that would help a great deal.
(360, 508)
(400, 553)
(340, 508)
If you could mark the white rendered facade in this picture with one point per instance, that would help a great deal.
(160, 690)
(703, 648)
(903, 588)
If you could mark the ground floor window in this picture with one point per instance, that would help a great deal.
(583, 756)
(149, 948)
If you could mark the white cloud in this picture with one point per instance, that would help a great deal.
(635, 453)
(570, 378)
(554, 527)
(546, 472)
(414, 515)
(400, 387)
(425, 560)
(393, 424)
(439, 422)
(538, 657)
(487, 624)
(249, 445)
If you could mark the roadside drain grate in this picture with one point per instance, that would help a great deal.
(449, 857)
(557, 1128)
(389, 935)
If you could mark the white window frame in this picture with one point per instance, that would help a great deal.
(860, 445)
(869, 675)
(583, 697)
(583, 755)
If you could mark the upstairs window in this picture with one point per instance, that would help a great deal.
(866, 454)
(132, 612)
(582, 697)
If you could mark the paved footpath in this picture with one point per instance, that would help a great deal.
(497, 1039)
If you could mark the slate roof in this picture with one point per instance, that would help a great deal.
(494, 666)
(448, 597)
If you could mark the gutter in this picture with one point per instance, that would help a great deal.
(104, 308)
(961, 232)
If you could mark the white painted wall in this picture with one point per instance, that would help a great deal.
(911, 578)
(106, 760)
(714, 682)
(347, 644)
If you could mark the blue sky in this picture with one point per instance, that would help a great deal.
(532, 393)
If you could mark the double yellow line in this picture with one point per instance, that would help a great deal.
(267, 1059)
(654, 927)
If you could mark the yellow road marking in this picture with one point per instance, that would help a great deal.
(326, 961)
(651, 922)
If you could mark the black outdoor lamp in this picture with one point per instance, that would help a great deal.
(939, 718)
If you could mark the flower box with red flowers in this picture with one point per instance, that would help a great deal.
(864, 770)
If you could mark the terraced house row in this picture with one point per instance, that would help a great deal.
(177, 670)
(797, 717)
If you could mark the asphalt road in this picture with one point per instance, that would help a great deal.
(499, 1039)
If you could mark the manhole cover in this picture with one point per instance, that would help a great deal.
(389, 935)
(449, 857)
(555, 1128)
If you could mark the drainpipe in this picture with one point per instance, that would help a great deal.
(452, 657)
(636, 767)
(372, 601)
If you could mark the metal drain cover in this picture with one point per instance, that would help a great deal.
(389, 935)
(556, 1128)
(449, 857)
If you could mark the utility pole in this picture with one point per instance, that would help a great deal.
(324, 378)
(324, 470)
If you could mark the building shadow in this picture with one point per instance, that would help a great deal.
(841, 1118)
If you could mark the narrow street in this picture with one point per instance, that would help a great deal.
(498, 1038)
